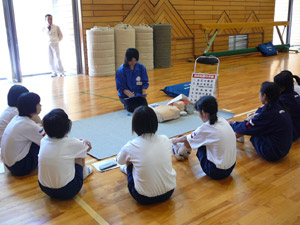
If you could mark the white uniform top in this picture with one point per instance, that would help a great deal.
(54, 35)
(20, 133)
(57, 160)
(296, 88)
(151, 156)
(220, 142)
(6, 117)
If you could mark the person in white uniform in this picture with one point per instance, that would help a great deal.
(214, 139)
(147, 160)
(11, 111)
(62, 159)
(21, 138)
(54, 36)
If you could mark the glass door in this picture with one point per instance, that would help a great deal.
(5, 69)
(295, 31)
(30, 20)
(281, 14)
(63, 17)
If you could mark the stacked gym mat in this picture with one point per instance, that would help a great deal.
(101, 51)
(106, 47)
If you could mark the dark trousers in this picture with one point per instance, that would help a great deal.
(131, 104)
(27, 164)
(266, 149)
(209, 168)
(144, 200)
(69, 190)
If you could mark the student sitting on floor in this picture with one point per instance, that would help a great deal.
(270, 127)
(62, 159)
(214, 140)
(11, 111)
(147, 160)
(290, 98)
(21, 138)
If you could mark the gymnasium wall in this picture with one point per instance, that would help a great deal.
(185, 17)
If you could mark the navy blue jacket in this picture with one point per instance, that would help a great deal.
(292, 102)
(132, 80)
(271, 130)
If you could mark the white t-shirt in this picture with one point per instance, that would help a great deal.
(57, 160)
(151, 156)
(6, 117)
(54, 35)
(19, 134)
(220, 142)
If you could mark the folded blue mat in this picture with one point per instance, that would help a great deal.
(177, 89)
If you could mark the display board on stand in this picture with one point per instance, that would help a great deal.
(202, 84)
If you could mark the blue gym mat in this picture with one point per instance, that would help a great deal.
(109, 132)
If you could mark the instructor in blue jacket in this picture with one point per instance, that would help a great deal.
(132, 79)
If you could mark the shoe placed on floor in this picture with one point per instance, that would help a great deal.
(180, 151)
(241, 139)
(123, 168)
(54, 75)
(87, 170)
(62, 75)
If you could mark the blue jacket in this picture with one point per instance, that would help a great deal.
(273, 128)
(292, 102)
(133, 80)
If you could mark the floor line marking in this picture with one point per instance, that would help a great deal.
(237, 115)
(167, 77)
(90, 211)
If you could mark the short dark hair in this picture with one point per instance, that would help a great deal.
(209, 105)
(130, 54)
(57, 123)
(47, 15)
(144, 120)
(14, 93)
(272, 92)
(285, 80)
(27, 103)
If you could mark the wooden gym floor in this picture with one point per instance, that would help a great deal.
(258, 192)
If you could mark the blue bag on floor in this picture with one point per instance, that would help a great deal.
(177, 89)
(267, 49)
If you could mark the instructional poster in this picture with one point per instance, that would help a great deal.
(202, 84)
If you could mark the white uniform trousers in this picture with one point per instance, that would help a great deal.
(54, 59)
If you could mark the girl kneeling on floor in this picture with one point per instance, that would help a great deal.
(270, 127)
(214, 140)
(147, 160)
(62, 159)
(21, 138)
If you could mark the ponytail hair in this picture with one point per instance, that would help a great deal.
(285, 81)
(272, 92)
(297, 79)
(209, 105)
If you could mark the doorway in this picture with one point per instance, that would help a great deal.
(33, 41)
(282, 8)
(24, 45)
